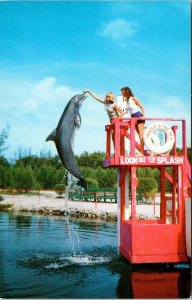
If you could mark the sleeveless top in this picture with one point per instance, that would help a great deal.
(131, 106)
(109, 108)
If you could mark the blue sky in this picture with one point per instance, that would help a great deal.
(50, 51)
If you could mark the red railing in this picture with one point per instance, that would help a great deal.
(119, 129)
(124, 128)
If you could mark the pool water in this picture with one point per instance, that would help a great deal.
(57, 257)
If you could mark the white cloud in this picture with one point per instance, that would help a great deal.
(117, 29)
(170, 106)
(47, 92)
(33, 109)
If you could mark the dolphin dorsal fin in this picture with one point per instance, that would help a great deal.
(52, 136)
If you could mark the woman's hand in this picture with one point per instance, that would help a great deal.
(121, 113)
(94, 96)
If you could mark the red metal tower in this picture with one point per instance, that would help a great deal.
(150, 240)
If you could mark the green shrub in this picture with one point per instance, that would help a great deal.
(93, 160)
(106, 177)
(38, 186)
(92, 183)
(24, 178)
(6, 176)
(88, 172)
(147, 187)
(48, 176)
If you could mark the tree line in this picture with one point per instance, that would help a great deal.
(33, 172)
(45, 171)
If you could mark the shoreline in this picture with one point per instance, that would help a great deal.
(50, 204)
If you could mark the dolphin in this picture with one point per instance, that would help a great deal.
(63, 136)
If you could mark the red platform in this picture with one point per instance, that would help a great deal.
(151, 242)
(159, 240)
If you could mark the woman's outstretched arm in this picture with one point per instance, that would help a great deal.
(94, 96)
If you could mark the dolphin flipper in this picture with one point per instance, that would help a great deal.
(77, 121)
(52, 136)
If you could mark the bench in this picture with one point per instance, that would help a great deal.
(101, 195)
(107, 195)
(98, 194)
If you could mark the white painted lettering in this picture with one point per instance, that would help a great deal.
(127, 160)
(122, 160)
(141, 159)
(172, 161)
(152, 159)
(180, 160)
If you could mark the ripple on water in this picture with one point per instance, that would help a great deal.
(81, 260)
(63, 260)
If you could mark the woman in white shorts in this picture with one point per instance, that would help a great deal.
(133, 105)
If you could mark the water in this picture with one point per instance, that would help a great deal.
(72, 189)
(55, 257)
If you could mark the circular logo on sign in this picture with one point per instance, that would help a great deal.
(149, 138)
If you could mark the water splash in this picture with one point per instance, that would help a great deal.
(73, 191)
(74, 239)
(55, 266)
(70, 194)
(88, 260)
(79, 260)
(64, 260)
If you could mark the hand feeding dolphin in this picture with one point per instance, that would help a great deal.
(63, 136)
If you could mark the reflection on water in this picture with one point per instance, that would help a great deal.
(154, 282)
(55, 257)
(23, 221)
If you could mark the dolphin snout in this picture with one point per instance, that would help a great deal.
(84, 96)
(81, 99)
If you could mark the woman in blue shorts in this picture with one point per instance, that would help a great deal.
(133, 105)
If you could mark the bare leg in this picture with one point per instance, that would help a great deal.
(113, 136)
(140, 130)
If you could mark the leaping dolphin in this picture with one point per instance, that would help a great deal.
(63, 136)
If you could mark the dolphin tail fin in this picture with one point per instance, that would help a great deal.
(52, 136)
(83, 183)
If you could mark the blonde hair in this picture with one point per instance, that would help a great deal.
(111, 96)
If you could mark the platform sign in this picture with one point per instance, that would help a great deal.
(155, 160)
